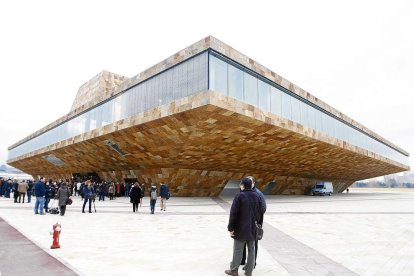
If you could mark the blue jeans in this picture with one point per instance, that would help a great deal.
(152, 204)
(47, 200)
(87, 198)
(40, 202)
(29, 197)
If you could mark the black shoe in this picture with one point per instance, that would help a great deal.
(90, 212)
(83, 211)
(231, 272)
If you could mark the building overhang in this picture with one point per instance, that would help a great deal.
(212, 132)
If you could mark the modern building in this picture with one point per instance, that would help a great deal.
(202, 117)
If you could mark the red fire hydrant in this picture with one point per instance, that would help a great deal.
(56, 234)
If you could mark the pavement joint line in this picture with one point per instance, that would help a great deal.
(294, 261)
(217, 212)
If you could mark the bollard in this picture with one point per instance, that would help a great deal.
(56, 234)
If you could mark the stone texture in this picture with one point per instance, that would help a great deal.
(198, 143)
(209, 42)
(97, 89)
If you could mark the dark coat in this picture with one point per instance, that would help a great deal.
(246, 208)
(62, 194)
(135, 194)
(264, 207)
(164, 191)
(49, 191)
(40, 189)
(30, 189)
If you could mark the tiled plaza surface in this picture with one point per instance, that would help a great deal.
(365, 232)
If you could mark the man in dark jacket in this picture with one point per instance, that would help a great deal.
(15, 190)
(48, 194)
(7, 188)
(256, 243)
(29, 191)
(40, 190)
(245, 210)
(164, 196)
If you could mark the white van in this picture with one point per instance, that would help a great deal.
(322, 188)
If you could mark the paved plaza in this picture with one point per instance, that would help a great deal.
(365, 232)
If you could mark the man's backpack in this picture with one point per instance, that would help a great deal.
(154, 194)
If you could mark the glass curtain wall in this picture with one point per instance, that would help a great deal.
(240, 83)
(184, 79)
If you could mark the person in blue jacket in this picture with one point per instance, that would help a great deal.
(164, 194)
(7, 188)
(88, 194)
(40, 190)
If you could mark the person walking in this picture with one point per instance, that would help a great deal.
(245, 210)
(88, 193)
(135, 196)
(142, 193)
(264, 207)
(164, 196)
(22, 190)
(62, 195)
(40, 190)
(153, 197)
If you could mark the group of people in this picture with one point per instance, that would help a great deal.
(18, 189)
(135, 192)
(105, 189)
(88, 190)
(247, 210)
(44, 191)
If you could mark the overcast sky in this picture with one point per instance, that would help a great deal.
(357, 56)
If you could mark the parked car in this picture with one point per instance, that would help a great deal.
(323, 188)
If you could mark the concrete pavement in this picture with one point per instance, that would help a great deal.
(365, 233)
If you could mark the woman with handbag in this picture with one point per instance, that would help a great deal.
(63, 196)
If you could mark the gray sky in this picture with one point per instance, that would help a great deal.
(357, 56)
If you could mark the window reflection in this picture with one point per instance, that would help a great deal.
(235, 83)
(190, 77)
(264, 95)
(238, 83)
(250, 89)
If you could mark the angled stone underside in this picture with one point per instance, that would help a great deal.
(198, 143)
